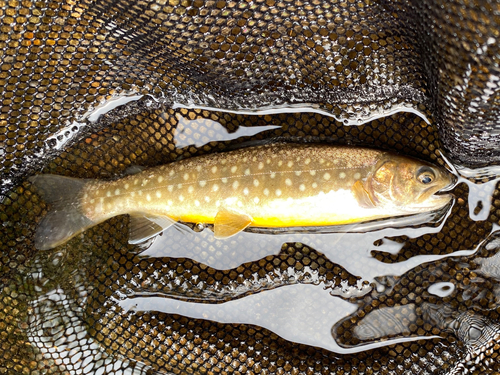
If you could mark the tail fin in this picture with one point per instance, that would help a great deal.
(65, 219)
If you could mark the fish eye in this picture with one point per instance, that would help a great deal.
(425, 175)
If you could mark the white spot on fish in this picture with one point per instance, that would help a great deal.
(190, 188)
(245, 159)
(207, 198)
(170, 188)
(247, 171)
(169, 202)
(215, 187)
(171, 173)
(239, 204)
(326, 176)
(186, 176)
(342, 175)
(357, 176)
(261, 165)
(126, 186)
(313, 172)
(280, 163)
(198, 168)
(92, 200)
(245, 191)
(179, 186)
(256, 200)
(132, 194)
(290, 164)
(236, 184)
(197, 203)
(117, 192)
(272, 175)
(278, 192)
(268, 161)
(288, 182)
(302, 187)
(322, 161)
(158, 193)
(307, 161)
(140, 192)
(181, 198)
(266, 191)
(160, 179)
(214, 169)
(298, 173)
(148, 198)
(255, 182)
(314, 185)
(136, 181)
(108, 193)
(224, 180)
(203, 183)
(234, 169)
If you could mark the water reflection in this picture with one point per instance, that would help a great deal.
(280, 310)
(479, 334)
(424, 302)
(203, 131)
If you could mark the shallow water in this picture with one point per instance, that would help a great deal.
(360, 287)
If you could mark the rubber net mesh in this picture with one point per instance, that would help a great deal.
(90, 88)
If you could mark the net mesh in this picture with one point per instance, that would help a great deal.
(369, 70)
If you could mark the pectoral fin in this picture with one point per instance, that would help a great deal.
(144, 227)
(228, 223)
(362, 196)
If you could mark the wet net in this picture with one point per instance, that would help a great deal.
(89, 89)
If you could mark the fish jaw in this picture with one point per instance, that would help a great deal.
(441, 200)
(432, 203)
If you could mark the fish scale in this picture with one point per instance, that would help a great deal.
(266, 182)
(269, 186)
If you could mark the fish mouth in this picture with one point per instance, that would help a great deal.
(435, 197)
(440, 200)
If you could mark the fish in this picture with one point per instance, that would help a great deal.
(284, 185)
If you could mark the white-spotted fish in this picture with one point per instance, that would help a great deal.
(270, 186)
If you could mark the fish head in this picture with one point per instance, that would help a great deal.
(409, 184)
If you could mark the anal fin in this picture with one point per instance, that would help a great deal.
(228, 223)
(362, 196)
(143, 227)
